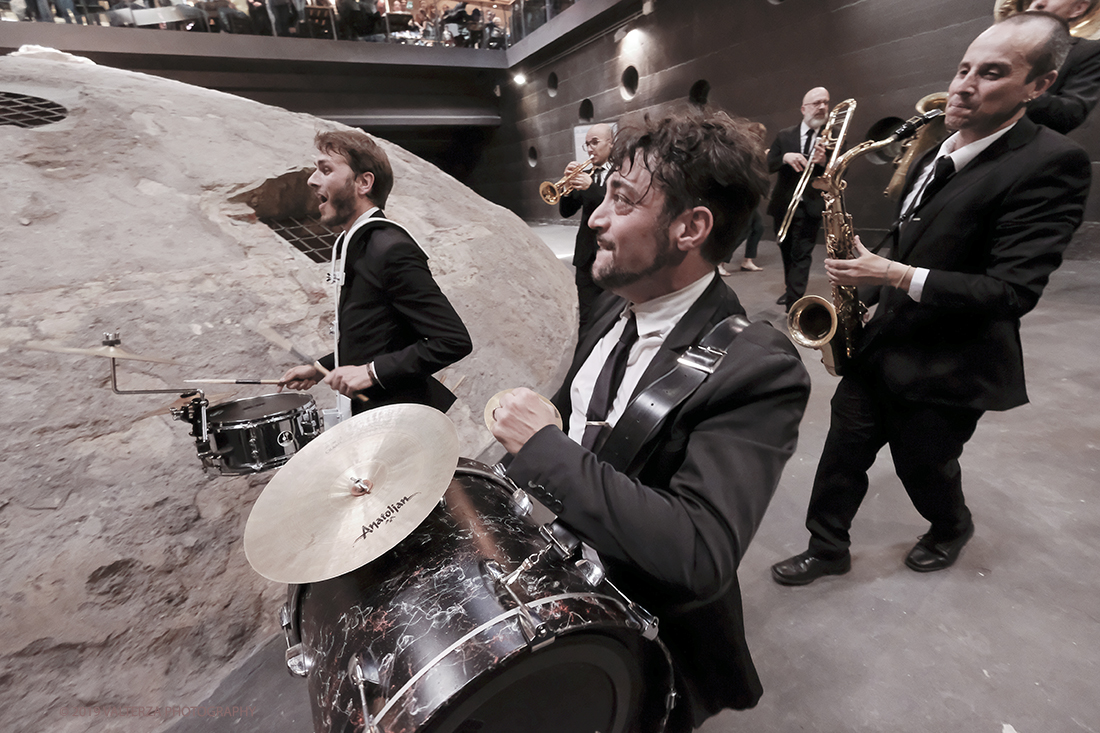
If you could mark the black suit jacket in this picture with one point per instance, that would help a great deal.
(788, 141)
(393, 313)
(586, 201)
(991, 239)
(1074, 93)
(673, 535)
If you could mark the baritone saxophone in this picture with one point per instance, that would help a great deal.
(813, 321)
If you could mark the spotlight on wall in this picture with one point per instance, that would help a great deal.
(520, 78)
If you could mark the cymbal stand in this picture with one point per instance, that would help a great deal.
(194, 412)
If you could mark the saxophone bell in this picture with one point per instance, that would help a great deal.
(812, 322)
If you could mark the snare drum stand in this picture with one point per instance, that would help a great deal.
(194, 412)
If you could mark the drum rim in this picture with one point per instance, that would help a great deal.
(465, 638)
(302, 407)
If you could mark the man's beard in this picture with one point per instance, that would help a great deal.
(342, 205)
(613, 278)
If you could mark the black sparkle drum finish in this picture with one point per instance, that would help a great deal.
(258, 433)
(477, 621)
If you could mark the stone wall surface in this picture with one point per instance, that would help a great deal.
(123, 578)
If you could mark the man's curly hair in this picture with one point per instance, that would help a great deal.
(700, 156)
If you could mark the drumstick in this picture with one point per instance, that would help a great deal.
(233, 381)
(274, 337)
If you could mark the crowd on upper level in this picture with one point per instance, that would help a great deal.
(427, 22)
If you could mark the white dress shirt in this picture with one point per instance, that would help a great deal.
(656, 319)
(960, 158)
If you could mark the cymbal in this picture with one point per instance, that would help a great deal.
(111, 352)
(351, 494)
(494, 403)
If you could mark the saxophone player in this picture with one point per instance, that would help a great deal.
(983, 222)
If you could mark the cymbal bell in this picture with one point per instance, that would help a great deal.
(111, 352)
(351, 494)
(494, 403)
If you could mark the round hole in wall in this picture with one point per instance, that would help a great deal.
(881, 130)
(532, 156)
(700, 92)
(552, 84)
(630, 82)
(586, 112)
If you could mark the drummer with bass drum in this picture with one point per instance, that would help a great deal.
(670, 487)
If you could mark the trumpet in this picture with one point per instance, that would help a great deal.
(552, 192)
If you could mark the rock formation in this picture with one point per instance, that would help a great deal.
(123, 577)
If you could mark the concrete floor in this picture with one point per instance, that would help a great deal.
(1007, 640)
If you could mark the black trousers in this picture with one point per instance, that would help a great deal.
(797, 249)
(925, 441)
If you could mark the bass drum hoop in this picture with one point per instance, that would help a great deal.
(611, 644)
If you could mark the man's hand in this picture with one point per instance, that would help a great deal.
(795, 160)
(818, 155)
(521, 414)
(299, 377)
(582, 181)
(866, 268)
(347, 380)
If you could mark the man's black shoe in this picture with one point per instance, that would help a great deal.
(807, 567)
(931, 554)
(782, 299)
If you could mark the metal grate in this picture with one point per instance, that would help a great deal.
(307, 235)
(25, 111)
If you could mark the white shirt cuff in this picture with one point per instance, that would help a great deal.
(916, 285)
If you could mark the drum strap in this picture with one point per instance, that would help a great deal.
(338, 275)
(645, 414)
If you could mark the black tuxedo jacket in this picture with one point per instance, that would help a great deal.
(788, 141)
(991, 239)
(1074, 93)
(586, 201)
(673, 535)
(393, 313)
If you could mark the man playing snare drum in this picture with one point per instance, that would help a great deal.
(394, 327)
(671, 508)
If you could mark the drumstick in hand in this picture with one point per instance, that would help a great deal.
(232, 381)
(274, 337)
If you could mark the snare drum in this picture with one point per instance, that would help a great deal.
(477, 621)
(258, 433)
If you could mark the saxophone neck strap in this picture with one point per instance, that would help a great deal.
(646, 413)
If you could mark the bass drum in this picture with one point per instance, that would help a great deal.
(477, 621)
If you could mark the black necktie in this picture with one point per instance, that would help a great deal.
(806, 146)
(941, 174)
(607, 383)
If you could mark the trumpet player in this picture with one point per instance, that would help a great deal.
(587, 194)
(794, 148)
(983, 222)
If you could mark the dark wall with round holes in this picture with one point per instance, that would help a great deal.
(752, 58)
